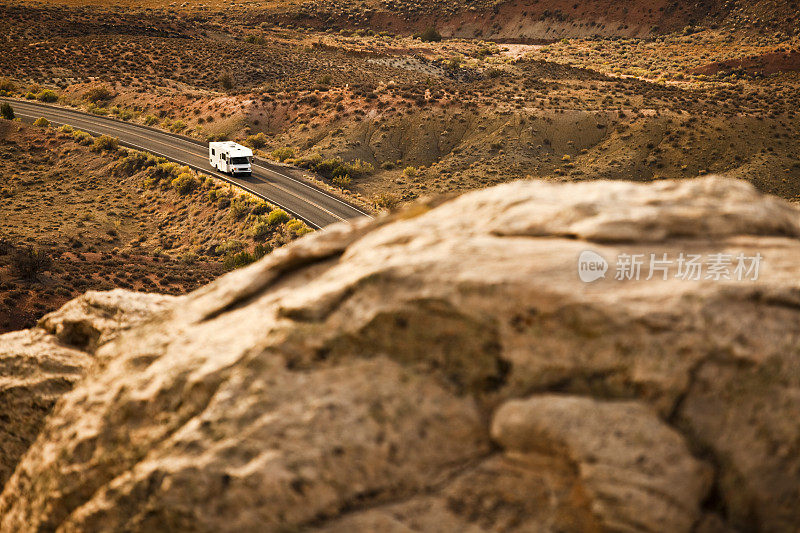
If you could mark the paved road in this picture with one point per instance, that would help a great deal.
(268, 181)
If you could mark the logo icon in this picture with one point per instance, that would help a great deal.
(591, 266)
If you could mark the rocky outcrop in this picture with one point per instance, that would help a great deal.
(39, 365)
(446, 369)
(34, 371)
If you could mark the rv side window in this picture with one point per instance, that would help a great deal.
(223, 157)
(213, 152)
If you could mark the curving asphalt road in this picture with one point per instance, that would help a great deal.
(268, 181)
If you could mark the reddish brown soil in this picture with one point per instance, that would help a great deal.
(768, 63)
(100, 227)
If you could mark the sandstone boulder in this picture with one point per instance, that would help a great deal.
(34, 371)
(96, 317)
(447, 369)
(626, 459)
(39, 365)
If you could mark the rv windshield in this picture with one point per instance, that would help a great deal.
(240, 160)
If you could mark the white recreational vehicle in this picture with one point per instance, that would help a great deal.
(230, 157)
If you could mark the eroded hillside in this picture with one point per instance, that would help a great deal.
(384, 117)
(80, 215)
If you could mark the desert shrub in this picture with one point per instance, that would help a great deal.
(6, 246)
(342, 180)
(185, 183)
(239, 208)
(6, 111)
(261, 250)
(93, 108)
(260, 230)
(358, 168)
(134, 162)
(122, 114)
(298, 227)
(223, 202)
(168, 168)
(46, 95)
(188, 258)
(6, 192)
(308, 162)
(388, 165)
(255, 39)
(7, 85)
(41, 122)
(430, 35)
(487, 51)
(257, 141)
(81, 137)
(66, 128)
(282, 154)
(327, 167)
(30, 95)
(150, 120)
(229, 247)
(105, 143)
(325, 79)
(238, 260)
(494, 72)
(29, 262)
(98, 94)
(177, 126)
(260, 207)
(386, 201)
(409, 172)
(277, 217)
(226, 81)
(336, 168)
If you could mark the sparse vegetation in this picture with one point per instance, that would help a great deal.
(136, 161)
(156, 226)
(282, 154)
(258, 141)
(46, 95)
(6, 111)
(185, 183)
(177, 126)
(98, 94)
(386, 201)
(226, 81)
(81, 137)
(430, 35)
(28, 262)
(432, 115)
(277, 217)
(7, 86)
(105, 143)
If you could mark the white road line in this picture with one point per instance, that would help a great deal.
(67, 115)
(227, 179)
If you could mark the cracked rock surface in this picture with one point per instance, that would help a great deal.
(445, 369)
(37, 366)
